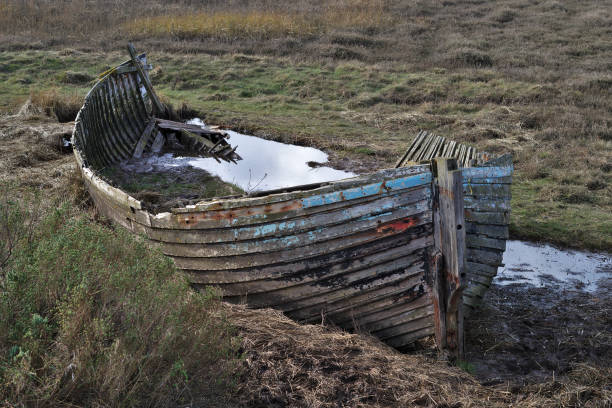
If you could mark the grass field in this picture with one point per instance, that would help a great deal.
(369, 112)
(357, 78)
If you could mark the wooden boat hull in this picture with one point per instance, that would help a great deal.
(361, 252)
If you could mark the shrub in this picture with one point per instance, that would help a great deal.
(92, 316)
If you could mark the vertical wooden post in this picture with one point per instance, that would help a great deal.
(449, 273)
(157, 105)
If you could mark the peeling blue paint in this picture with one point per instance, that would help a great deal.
(365, 191)
(486, 172)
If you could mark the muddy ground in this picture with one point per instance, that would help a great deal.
(522, 336)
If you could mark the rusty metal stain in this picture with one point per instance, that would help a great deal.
(446, 192)
(397, 226)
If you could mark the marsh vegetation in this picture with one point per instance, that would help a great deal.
(357, 79)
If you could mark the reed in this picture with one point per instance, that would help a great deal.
(231, 25)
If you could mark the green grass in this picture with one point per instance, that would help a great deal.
(94, 316)
(579, 225)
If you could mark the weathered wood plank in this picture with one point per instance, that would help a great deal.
(475, 279)
(400, 324)
(184, 257)
(158, 142)
(350, 300)
(486, 172)
(372, 312)
(318, 265)
(284, 210)
(179, 126)
(490, 218)
(327, 291)
(411, 149)
(485, 256)
(144, 139)
(128, 69)
(449, 235)
(303, 284)
(363, 208)
(491, 231)
(487, 191)
(480, 241)
(481, 269)
(408, 338)
(486, 205)
(157, 105)
(381, 221)
(123, 112)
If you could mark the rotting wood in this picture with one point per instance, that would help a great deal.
(179, 126)
(157, 105)
(449, 235)
(202, 140)
(127, 69)
(427, 146)
(144, 139)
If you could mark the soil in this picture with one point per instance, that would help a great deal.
(524, 334)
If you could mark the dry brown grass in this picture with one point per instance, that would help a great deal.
(289, 364)
(231, 25)
(64, 106)
(234, 25)
(75, 20)
(224, 25)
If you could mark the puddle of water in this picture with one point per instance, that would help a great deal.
(544, 265)
(268, 165)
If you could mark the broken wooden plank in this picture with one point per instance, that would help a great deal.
(158, 142)
(157, 105)
(413, 145)
(179, 126)
(143, 140)
(127, 69)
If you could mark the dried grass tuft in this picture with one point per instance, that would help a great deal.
(54, 103)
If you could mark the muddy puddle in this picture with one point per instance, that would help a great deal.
(543, 265)
(547, 312)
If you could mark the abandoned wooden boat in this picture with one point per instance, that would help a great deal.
(382, 253)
